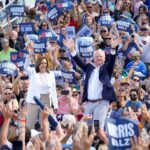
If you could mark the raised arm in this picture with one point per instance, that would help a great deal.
(7, 114)
(70, 44)
(27, 63)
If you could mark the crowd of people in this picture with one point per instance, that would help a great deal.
(88, 63)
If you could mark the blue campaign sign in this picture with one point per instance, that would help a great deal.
(27, 28)
(105, 20)
(8, 68)
(20, 62)
(85, 31)
(54, 13)
(124, 25)
(47, 34)
(39, 47)
(119, 132)
(85, 51)
(85, 46)
(22, 53)
(68, 5)
(16, 10)
(70, 32)
(13, 56)
(69, 77)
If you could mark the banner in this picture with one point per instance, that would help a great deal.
(84, 46)
(54, 13)
(119, 132)
(16, 10)
(27, 28)
(65, 6)
(123, 25)
(39, 47)
(85, 31)
(69, 77)
(8, 68)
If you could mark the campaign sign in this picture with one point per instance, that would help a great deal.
(22, 53)
(46, 34)
(119, 132)
(123, 25)
(70, 32)
(39, 47)
(13, 56)
(16, 10)
(27, 28)
(105, 20)
(65, 5)
(85, 51)
(8, 68)
(54, 13)
(20, 62)
(69, 77)
(85, 31)
(84, 46)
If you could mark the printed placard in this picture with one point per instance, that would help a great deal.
(84, 46)
(85, 31)
(13, 56)
(39, 47)
(27, 28)
(119, 132)
(16, 10)
(54, 13)
(69, 77)
(70, 32)
(123, 25)
(8, 68)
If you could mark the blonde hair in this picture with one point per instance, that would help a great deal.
(140, 19)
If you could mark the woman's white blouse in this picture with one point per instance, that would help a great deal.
(40, 84)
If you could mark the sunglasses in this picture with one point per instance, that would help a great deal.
(74, 95)
(8, 93)
(103, 31)
(133, 95)
(44, 25)
(107, 38)
(52, 42)
(89, 7)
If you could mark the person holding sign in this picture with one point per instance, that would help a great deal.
(98, 91)
(42, 85)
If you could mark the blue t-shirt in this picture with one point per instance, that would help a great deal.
(127, 54)
(134, 105)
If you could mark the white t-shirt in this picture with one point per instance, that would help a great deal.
(145, 43)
